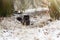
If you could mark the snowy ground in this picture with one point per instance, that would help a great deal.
(42, 29)
(14, 30)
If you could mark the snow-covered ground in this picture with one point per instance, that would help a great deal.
(42, 29)
(11, 29)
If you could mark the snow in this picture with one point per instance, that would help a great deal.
(37, 9)
(30, 10)
(40, 9)
(48, 32)
(11, 29)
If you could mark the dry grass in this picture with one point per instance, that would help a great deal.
(54, 9)
(6, 7)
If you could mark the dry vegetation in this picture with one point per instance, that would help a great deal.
(6, 8)
(54, 9)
